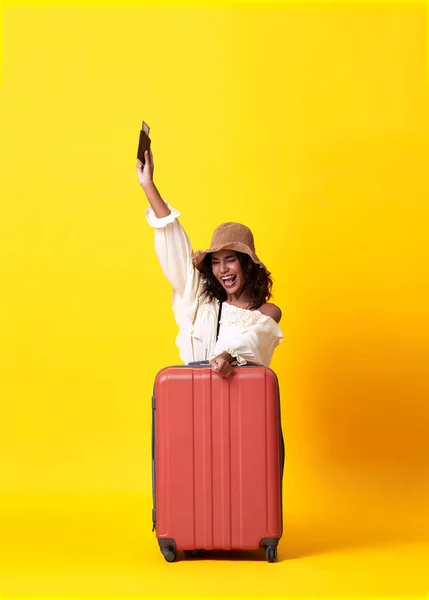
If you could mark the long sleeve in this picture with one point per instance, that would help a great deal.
(248, 336)
(174, 251)
(173, 248)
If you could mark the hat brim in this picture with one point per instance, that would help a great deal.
(200, 255)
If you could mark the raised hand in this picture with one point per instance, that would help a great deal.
(145, 173)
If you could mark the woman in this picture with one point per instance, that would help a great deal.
(226, 283)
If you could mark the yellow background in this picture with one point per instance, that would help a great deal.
(307, 121)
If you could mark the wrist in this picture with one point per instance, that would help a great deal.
(227, 357)
(148, 185)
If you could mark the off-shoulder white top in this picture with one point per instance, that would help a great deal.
(247, 335)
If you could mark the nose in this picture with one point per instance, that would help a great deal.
(223, 267)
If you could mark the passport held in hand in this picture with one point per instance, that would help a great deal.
(144, 142)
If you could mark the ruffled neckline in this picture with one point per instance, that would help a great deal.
(256, 316)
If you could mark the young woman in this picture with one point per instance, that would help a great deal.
(226, 285)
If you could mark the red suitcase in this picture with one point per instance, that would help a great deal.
(218, 456)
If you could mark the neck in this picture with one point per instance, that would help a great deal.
(238, 299)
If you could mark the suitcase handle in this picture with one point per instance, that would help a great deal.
(199, 363)
(206, 363)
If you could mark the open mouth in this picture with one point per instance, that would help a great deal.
(229, 281)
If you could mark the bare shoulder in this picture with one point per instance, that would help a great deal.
(271, 310)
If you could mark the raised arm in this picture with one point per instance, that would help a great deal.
(145, 177)
(172, 245)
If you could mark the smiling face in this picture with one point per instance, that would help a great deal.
(227, 270)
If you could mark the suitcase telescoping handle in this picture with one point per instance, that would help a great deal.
(199, 363)
(206, 363)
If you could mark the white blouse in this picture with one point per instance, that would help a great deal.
(247, 335)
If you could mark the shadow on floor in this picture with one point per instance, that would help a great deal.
(303, 538)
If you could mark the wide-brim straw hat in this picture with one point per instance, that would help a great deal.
(230, 236)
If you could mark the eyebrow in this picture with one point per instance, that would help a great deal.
(226, 257)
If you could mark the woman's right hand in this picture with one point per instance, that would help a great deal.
(145, 173)
(221, 365)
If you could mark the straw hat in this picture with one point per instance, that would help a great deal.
(230, 236)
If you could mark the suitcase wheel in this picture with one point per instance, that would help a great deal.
(169, 554)
(271, 554)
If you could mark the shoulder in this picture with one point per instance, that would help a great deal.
(271, 310)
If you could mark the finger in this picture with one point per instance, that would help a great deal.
(221, 365)
(214, 365)
(227, 372)
(139, 164)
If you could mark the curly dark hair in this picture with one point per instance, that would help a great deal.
(257, 287)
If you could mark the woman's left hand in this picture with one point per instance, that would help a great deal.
(221, 365)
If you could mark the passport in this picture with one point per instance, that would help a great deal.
(144, 142)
